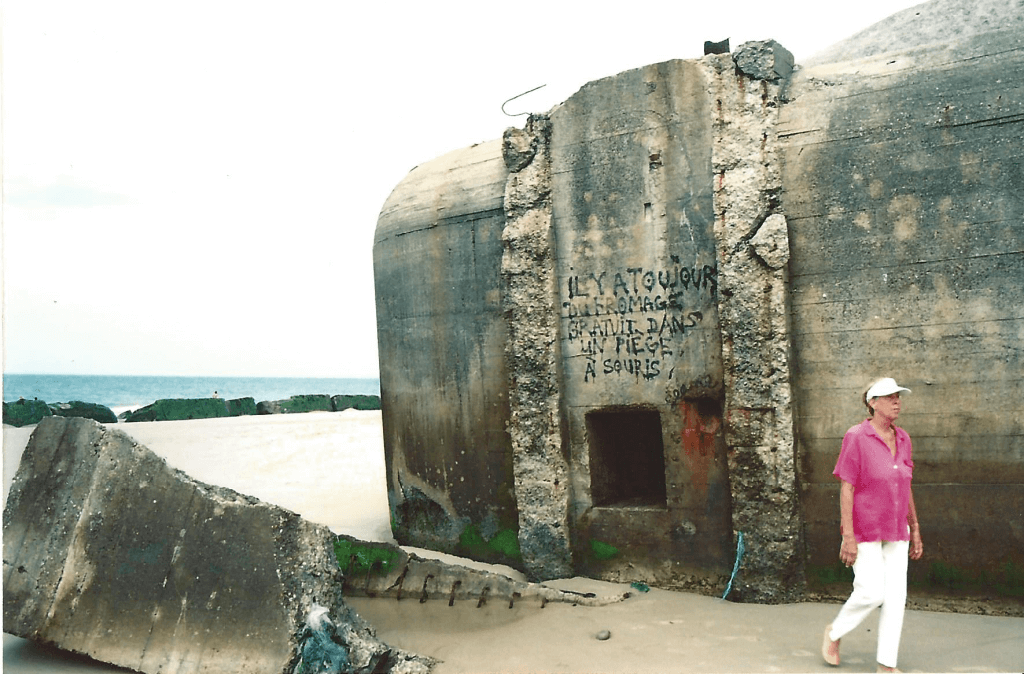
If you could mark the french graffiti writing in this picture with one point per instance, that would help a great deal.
(631, 322)
(675, 393)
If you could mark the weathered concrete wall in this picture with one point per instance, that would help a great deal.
(904, 189)
(110, 553)
(637, 280)
(441, 336)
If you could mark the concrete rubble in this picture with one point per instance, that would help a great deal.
(111, 553)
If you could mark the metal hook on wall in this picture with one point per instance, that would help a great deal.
(519, 96)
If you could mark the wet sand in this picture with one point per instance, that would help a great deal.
(329, 467)
(662, 631)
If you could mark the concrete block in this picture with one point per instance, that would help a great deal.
(172, 409)
(296, 405)
(764, 60)
(355, 402)
(110, 553)
(77, 408)
(239, 407)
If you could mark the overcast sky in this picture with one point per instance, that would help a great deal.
(191, 188)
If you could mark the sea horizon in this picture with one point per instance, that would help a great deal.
(139, 390)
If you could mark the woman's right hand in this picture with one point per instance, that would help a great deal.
(848, 550)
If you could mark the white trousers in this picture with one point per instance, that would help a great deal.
(879, 579)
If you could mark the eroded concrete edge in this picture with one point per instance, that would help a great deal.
(747, 91)
(529, 277)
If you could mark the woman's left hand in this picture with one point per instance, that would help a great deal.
(916, 545)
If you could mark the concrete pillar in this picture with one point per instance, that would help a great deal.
(745, 90)
(532, 354)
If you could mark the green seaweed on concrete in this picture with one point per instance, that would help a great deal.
(356, 402)
(506, 542)
(1010, 581)
(239, 407)
(313, 402)
(1007, 580)
(364, 558)
(25, 412)
(472, 544)
(602, 551)
(829, 574)
(947, 576)
(502, 546)
(176, 409)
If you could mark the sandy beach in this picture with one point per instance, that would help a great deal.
(329, 467)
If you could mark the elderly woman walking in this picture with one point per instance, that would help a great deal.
(879, 523)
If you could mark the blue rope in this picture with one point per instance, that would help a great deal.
(735, 567)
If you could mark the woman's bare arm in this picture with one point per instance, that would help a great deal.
(916, 544)
(848, 551)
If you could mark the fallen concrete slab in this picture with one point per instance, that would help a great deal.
(383, 570)
(111, 553)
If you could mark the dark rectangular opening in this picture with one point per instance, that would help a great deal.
(627, 458)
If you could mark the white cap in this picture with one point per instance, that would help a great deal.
(884, 387)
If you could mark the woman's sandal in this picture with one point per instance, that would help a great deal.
(830, 649)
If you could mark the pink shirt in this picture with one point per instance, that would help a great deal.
(881, 483)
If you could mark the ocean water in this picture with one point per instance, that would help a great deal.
(122, 391)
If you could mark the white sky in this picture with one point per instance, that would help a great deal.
(191, 188)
